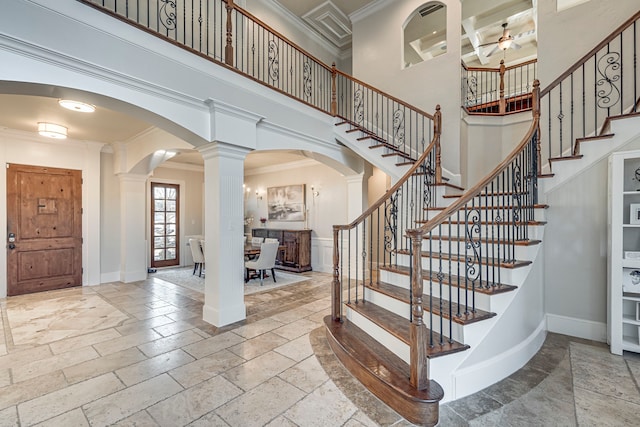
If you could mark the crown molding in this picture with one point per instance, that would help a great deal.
(302, 26)
(368, 10)
(190, 167)
(282, 166)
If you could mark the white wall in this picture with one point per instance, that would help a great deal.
(576, 250)
(110, 224)
(325, 210)
(565, 37)
(487, 140)
(377, 60)
(31, 149)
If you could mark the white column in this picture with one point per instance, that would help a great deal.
(91, 218)
(133, 229)
(357, 200)
(224, 227)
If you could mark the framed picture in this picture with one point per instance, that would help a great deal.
(286, 203)
(634, 213)
(631, 280)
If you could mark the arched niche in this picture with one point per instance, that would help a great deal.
(425, 33)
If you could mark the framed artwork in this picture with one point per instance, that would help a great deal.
(634, 213)
(286, 203)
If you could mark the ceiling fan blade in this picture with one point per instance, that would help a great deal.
(515, 45)
(487, 44)
(494, 50)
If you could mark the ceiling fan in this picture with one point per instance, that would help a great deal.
(505, 42)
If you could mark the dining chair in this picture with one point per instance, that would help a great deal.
(266, 261)
(257, 240)
(271, 240)
(198, 256)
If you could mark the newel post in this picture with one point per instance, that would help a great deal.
(334, 96)
(419, 366)
(502, 104)
(437, 131)
(535, 109)
(228, 49)
(335, 284)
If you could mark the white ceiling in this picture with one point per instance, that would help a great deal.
(481, 24)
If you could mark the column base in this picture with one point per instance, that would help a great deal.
(222, 317)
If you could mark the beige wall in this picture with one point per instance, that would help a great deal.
(377, 60)
(325, 210)
(590, 23)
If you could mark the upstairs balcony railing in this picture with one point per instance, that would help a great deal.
(498, 91)
(224, 33)
(603, 84)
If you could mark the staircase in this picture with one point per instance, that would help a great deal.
(460, 281)
(436, 290)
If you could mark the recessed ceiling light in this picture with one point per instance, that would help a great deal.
(81, 107)
(52, 130)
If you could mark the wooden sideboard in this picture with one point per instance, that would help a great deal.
(297, 243)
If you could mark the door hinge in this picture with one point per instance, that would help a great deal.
(81, 211)
(82, 270)
(82, 240)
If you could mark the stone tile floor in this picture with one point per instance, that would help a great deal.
(140, 355)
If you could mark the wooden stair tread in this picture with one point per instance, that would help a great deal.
(494, 194)
(546, 175)
(560, 159)
(370, 136)
(595, 137)
(519, 223)
(383, 373)
(398, 326)
(441, 208)
(528, 242)
(461, 258)
(402, 294)
(397, 153)
(452, 280)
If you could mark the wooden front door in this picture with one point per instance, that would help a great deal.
(44, 229)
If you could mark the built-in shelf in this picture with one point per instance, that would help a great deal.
(623, 327)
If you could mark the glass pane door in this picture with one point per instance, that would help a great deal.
(165, 245)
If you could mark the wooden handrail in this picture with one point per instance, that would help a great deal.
(592, 52)
(391, 97)
(495, 70)
(476, 189)
(435, 142)
(280, 35)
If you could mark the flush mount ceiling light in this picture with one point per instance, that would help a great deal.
(52, 130)
(72, 105)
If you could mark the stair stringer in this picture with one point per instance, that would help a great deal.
(508, 342)
(463, 373)
(374, 156)
(623, 128)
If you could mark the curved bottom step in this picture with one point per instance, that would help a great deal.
(383, 373)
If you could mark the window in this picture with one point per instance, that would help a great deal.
(165, 200)
(425, 34)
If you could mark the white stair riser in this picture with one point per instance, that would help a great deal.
(483, 301)
(519, 252)
(488, 231)
(506, 276)
(402, 309)
(493, 214)
(393, 344)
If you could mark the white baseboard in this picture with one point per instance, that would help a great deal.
(574, 327)
(113, 276)
(475, 378)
